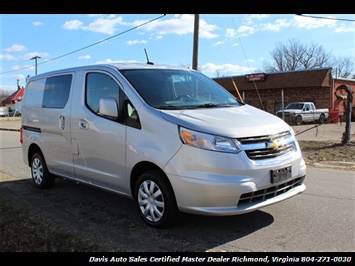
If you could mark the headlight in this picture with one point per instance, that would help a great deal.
(208, 142)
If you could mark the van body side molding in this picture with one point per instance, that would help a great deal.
(34, 129)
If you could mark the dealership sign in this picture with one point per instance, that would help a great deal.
(255, 77)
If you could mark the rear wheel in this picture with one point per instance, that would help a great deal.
(155, 199)
(39, 171)
(321, 119)
(298, 120)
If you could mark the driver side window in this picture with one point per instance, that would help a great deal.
(99, 85)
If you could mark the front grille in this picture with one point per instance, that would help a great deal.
(269, 146)
(269, 153)
(270, 192)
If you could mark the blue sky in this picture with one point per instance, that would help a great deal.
(229, 44)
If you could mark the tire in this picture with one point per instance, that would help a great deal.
(321, 119)
(39, 172)
(298, 120)
(155, 200)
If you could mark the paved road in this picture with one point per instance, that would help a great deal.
(326, 132)
(320, 220)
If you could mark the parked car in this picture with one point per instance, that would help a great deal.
(14, 113)
(170, 138)
(299, 112)
(4, 111)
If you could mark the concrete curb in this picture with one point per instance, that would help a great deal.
(336, 164)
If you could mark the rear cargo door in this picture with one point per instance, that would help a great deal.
(55, 120)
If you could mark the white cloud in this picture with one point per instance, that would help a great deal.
(245, 31)
(313, 23)
(210, 69)
(250, 19)
(84, 57)
(218, 43)
(100, 24)
(205, 30)
(73, 25)
(276, 26)
(16, 48)
(7, 57)
(16, 67)
(242, 31)
(111, 61)
(18, 77)
(28, 56)
(103, 25)
(345, 28)
(136, 42)
(36, 23)
(179, 25)
(230, 33)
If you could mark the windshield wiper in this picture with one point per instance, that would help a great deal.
(168, 107)
(212, 105)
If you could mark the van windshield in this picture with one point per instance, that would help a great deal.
(178, 89)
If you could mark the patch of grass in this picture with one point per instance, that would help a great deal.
(317, 151)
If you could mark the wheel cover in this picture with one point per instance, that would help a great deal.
(37, 171)
(151, 201)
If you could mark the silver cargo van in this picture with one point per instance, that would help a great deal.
(170, 138)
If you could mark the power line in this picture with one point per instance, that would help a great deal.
(342, 19)
(140, 25)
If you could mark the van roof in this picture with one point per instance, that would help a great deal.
(111, 65)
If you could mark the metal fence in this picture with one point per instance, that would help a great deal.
(334, 128)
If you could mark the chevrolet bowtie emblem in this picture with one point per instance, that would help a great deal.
(274, 145)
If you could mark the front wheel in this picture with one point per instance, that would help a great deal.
(155, 199)
(39, 171)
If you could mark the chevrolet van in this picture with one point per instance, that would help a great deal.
(169, 138)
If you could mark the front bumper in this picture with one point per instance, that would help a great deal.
(216, 184)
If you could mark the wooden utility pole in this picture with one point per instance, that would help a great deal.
(195, 44)
(35, 58)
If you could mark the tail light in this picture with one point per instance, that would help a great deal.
(21, 131)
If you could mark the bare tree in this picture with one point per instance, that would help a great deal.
(218, 73)
(296, 56)
(343, 67)
(3, 95)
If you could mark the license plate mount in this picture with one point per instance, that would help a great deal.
(280, 174)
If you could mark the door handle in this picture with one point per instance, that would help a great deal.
(62, 122)
(83, 124)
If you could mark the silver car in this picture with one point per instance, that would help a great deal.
(4, 111)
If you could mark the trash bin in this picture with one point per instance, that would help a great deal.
(334, 116)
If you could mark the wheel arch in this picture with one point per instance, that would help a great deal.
(32, 150)
(140, 168)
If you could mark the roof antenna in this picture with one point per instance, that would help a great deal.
(146, 55)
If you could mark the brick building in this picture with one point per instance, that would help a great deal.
(272, 91)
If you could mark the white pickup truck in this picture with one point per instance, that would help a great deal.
(299, 112)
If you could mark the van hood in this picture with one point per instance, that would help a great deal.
(233, 122)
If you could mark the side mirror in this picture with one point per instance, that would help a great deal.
(108, 107)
